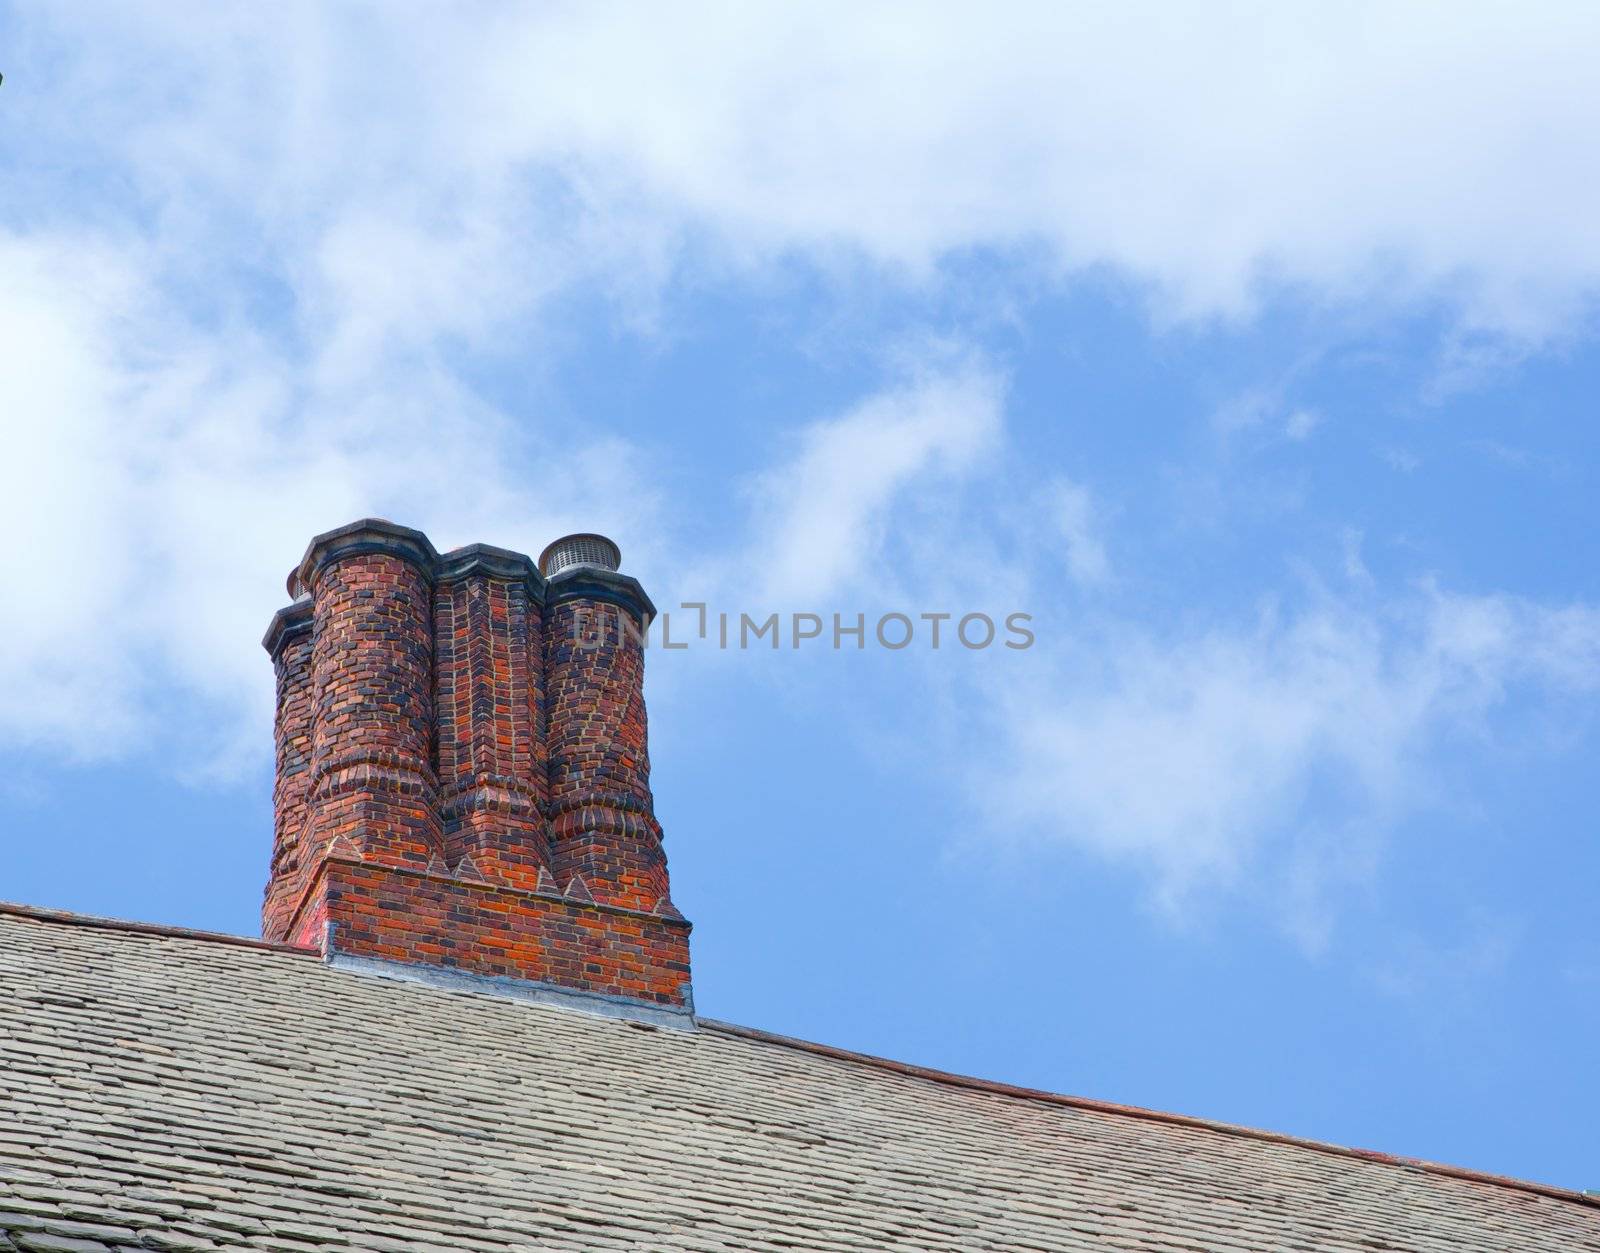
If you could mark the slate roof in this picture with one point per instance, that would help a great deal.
(168, 1091)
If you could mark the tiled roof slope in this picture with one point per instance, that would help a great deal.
(165, 1092)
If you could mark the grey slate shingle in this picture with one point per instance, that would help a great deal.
(167, 1092)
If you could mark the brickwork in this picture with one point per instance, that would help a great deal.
(463, 768)
(490, 699)
(372, 780)
(603, 830)
(495, 930)
(289, 643)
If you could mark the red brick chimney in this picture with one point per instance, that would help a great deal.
(463, 779)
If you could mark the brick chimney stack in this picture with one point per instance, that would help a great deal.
(463, 776)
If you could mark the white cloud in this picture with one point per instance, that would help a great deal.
(166, 472)
(1355, 565)
(64, 581)
(160, 477)
(1416, 966)
(1272, 758)
(1248, 411)
(1200, 151)
(1075, 514)
(1201, 755)
(1379, 153)
(1301, 423)
(822, 516)
(1264, 407)
(263, 230)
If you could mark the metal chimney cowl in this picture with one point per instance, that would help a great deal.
(582, 549)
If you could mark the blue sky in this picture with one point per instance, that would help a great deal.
(1252, 353)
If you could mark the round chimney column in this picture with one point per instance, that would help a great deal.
(373, 792)
(288, 643)
(605, 841)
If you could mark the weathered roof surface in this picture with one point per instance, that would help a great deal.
(170, 1092)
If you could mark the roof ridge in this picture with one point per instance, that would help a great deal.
(99, 923)
(1092, 1105)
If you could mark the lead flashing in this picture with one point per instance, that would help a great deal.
(532, 991)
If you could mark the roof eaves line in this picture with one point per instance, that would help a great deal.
(66, 918)
(1089, 1104)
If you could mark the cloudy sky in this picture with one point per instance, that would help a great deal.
(1250, 349)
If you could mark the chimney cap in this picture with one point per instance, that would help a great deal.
(582, 549)
(366, 535)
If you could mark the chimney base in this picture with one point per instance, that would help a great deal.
(365, 910)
